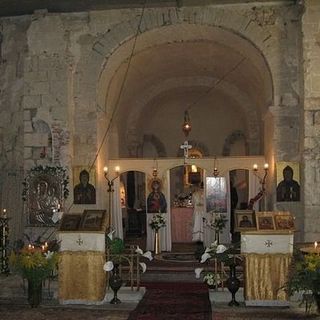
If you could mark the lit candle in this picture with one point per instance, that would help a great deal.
(266, 166)
(46, 244)
(117, 169)
(255, 167)
(43, 247)
(4, 213)
(29, 246)
(315, 244)
(105, 169)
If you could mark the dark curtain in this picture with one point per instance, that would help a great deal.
(131, 191)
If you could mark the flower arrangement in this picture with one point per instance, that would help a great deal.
(217, 222)
(212, 279)
(34, 263)
(222, 254)
(158, 221)
(304, 276)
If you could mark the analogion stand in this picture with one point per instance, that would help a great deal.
(268, 256)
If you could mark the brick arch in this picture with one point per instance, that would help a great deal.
(231, 139)
(157, 143)
(119, 38)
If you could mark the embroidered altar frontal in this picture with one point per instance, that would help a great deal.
(81, 276)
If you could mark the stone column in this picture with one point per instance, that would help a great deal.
(311, 141)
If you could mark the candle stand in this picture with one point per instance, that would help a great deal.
(4, 235)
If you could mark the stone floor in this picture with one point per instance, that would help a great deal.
(14, 306)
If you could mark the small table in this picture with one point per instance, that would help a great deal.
(181, 224)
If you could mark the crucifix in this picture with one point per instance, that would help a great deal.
(186, 147)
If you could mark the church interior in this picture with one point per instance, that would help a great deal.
(181, 127)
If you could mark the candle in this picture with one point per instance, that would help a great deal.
(4, 213)
(315, 244)
(266, 166)
(255, 167)
(46, 244)
(43, 247)
(105, 169)
(29, 246)
(117, 169)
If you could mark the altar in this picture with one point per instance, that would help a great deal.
(267, 259)
(181, 224)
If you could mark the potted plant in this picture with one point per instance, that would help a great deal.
(304, 277)
(116, 256)
(34, 263)
(229, 258)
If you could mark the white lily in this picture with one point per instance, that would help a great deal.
(108, 266)
(221, 248)
(148, 255)
(139, 251)
(208, 250)
(143, 266)
(198, 271)
(205, 257)
(48, 255)
(110, 234)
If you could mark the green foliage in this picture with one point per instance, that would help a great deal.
(116, 245)
(304, 274)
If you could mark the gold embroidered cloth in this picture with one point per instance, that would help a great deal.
(81, 276)
(265, 274)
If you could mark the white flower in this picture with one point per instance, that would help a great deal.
(138, 250)
(110, 234)
(221, 248)
(205, 257)
(148, 255)
(108, 266)
(143, 266)
(48, 255)
(198, 271)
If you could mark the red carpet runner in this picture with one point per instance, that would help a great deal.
(173, 301)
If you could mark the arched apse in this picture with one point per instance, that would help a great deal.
(252, 79)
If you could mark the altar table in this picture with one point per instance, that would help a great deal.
(181, 224)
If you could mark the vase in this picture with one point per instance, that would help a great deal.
(233, 284)
(316, 297)
(157, 247)
(115, 283)
(34, 292)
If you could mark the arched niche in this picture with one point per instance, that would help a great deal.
(132, 191)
